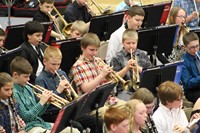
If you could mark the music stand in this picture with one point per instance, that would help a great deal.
(105, 25)
(15, 35)
(5, 59)
(156, 14)
(151, 78)
(67, 114)
(71, 50)
(157, 40)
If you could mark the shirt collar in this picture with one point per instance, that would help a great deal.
(85, 59)
(48, 74)
(127, 54)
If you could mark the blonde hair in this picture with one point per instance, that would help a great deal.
(129, 33)
(52, 52)
(144, 95)
(131, 109)
(173, 14)
(80, 26)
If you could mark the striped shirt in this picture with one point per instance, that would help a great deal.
(30, 110)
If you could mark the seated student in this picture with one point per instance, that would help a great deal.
(30, 109)
(32, 49)
(127, 67)
(2, 39)
(134, 19)
(46, 7)
(146, 97)
(191, 69)
(116, 120)
(78, 11)
(190, 7)
(78, 29)
(169, 116)
(177, 15)
(137, 115)
(10, 122)
(89, 72)
(50, 80)
(125, 5)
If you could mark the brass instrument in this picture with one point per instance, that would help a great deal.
(135, 76)
(71, 92)
(59, 101)
(67, 27)
(115, 77)
(15, 116)
(101, 10)
(56, 25)
(3, 50)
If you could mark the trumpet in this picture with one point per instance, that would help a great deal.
(89, 9)
(135, 76)
(70, 93)
(115, 77)
(59, 101)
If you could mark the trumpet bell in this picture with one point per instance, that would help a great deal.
(127, 85)
(66, 30)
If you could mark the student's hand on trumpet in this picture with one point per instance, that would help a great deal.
(46, 97)
(63, 85)
(106, 70)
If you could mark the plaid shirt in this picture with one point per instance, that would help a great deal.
(189, 6)
(29, 110)
(85, 71)
(121, 59)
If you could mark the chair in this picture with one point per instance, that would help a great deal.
(188, 112)
(102, 50)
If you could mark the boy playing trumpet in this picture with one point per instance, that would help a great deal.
(57, 81)
(127, 66)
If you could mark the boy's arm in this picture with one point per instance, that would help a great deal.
(57, 35)
(26, 112)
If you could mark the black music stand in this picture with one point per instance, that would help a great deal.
(5, 59)
(157, 40)
(105, 25)
(68, 114)
(71, 50)
(155, 13)
(15, 35)
(151, 78)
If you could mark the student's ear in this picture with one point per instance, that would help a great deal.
(15, 74)
(113, 127)
(44, 61)
(28, 35)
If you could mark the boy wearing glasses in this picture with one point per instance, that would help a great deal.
(191, 68)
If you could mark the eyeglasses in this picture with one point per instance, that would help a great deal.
(181, 16)
(193, 47)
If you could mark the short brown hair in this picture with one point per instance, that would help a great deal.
(129, 33)
(135, 10)
(114, 116)
(169, 91)
(90, 39)
(144, 95)
(189, 37)
(21, 66)
(52, 52)
(4, 79)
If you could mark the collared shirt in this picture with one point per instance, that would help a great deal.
(189, 7)
(85, 71)
(190, 74)
(75, 12)
(165, 119)
(30, 110)
(50, 82)
(115, 43)
(121, 59)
